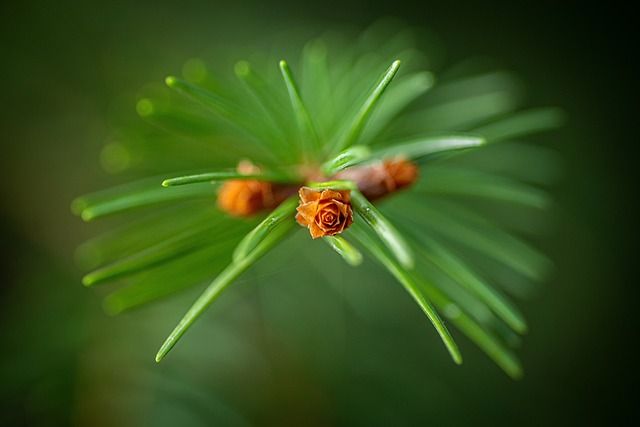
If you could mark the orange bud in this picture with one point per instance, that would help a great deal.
(403, 173)
(245, 197)
(326, 212)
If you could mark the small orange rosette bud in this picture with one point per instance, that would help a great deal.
(324, 212)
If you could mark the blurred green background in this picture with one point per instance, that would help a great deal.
(69, 67)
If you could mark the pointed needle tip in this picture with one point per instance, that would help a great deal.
(77, 206)
(86, 216)
(161, 353)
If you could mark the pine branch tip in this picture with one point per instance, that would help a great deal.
(404, 261)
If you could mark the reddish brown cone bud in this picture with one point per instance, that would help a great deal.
(379, 179)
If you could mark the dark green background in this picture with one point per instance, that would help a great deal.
(67, 65)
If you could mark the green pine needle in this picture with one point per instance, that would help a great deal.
(224, 279)
(384, 229)
(92, 207)
(175, 274)
(349, 157)
(356, 125)
(464, 274)
(472, 231)
(522, 124)
(256, 236)
(227, 175)
(269, 106)
(407, 281)
(170, 248)
(309, 141)
(397, 97)
(220, 105)
(417, 148)
(476, 184)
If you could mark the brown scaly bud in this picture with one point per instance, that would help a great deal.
(245, 197)
(324, 212)
(379, 179)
